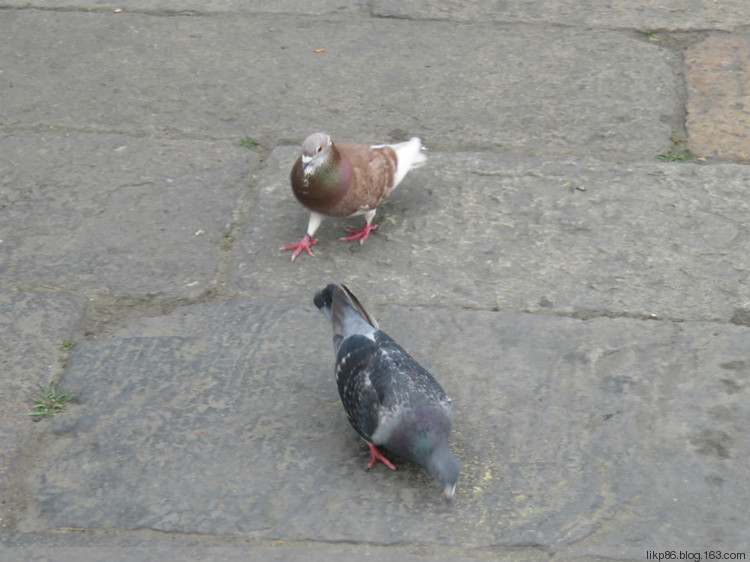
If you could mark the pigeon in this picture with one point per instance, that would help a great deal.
(345, 180)
(389, 398)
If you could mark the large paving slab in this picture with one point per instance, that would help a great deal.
(223, 419)
(654, 14)
(231, 76)
(85, 547)
(718, 108)
(117, 214)
(198, 7)
(33, 325)
(563, 236)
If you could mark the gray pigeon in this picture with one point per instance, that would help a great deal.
(390, 399)
(345, 180)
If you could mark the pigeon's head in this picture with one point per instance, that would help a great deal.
(315, 151)
(443, 467)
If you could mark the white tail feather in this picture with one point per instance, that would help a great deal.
(410, 155)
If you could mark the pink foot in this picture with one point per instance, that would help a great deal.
(376, 455)
(303, 244)
(361, 234)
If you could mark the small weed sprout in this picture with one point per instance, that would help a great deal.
(249, 143)
(51, 402)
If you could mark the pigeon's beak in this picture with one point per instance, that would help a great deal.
(449, 490)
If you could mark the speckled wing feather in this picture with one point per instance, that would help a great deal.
(380, 383)
(362, 400)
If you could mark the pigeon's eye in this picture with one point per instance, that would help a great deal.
(320, 149)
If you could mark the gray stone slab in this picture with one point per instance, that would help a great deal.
(33, 325)
(659, 14)
(116, 214)
(604, 434)
(529, 88)
(206, 7)
(60, 547)
(516, 233)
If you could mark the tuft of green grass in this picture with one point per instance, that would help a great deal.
(52, 401)
(249, 143)
(678, 152)
(675, 156)
(67, 345)
(651, 34)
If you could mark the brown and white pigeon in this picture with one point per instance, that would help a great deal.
(344, 180)
(389, 398)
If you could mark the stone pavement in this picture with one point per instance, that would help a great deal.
(572, 264)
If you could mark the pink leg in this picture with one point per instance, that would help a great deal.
(376, 455)
(361, 234)
(303, 244)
